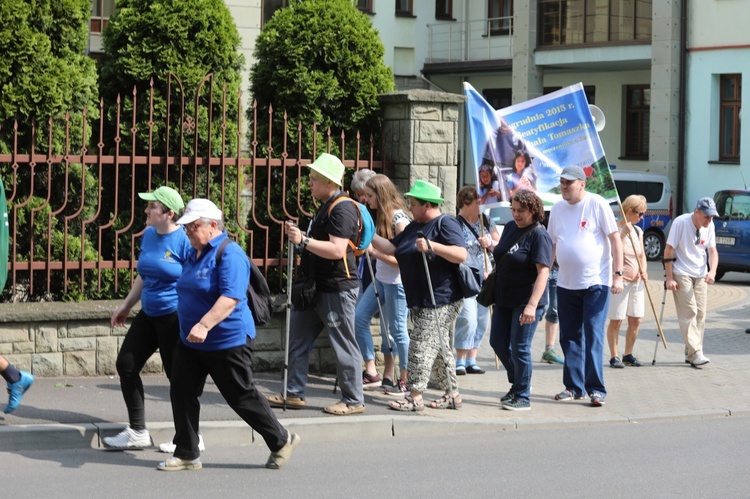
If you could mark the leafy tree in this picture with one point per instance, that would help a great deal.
(46, 79)
(321, 61)
(146, 40)
(166, 48)
(44, 70)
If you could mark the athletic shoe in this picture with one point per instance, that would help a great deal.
(398, 390)
(128, 439)
(17, 389)
(517, 405)
(616, 362)
(700, 360)
(507, 397)
(169, 447)
(177, 464)
(568, 395)
(630, 360)
(550, 357)
(277, 459)
(371, 380)
(597, 399)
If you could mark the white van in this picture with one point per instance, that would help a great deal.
(658, 193)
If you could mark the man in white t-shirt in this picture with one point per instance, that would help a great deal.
(588, 249)
(690, 245)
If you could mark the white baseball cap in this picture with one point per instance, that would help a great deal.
(199, 208)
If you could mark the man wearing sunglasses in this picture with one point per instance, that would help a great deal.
(691, 245)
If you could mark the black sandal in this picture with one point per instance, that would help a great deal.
(407, 404)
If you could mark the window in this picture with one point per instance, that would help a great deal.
(499, 16)
(570, 22)
(101, 11)
(444, 9)
(637, 120)
(404, 7)
(365, 6)
(498, 98)
(729, 117)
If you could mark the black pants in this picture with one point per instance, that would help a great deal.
(145, 335)
(231, 370)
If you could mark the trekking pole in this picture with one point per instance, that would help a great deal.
(661, 314)
(289, 270)
(383, 321)
(420, 234)
(487, 269)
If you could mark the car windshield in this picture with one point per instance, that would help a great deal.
(733, 205)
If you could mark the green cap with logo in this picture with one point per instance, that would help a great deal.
(166, 196)
(425, 191)
(330, 167)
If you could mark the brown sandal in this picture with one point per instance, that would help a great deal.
(408, 404)
(447, 402)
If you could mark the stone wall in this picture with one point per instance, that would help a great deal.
(76, 339)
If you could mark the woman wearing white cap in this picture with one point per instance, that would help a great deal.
(163, 250)
(216, 339)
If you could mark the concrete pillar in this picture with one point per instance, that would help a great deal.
(528, 79)
(665, 89)
(421, 138)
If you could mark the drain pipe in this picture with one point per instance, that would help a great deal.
(683, 99)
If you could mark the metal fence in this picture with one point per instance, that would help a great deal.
(73, 211)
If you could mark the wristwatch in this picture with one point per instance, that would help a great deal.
(618, 272)
(305, 241)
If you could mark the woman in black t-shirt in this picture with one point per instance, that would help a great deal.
(523, 259)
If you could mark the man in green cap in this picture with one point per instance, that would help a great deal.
(326, 255)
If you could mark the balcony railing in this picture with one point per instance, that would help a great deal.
(479, 40)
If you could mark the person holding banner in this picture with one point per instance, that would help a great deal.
(481, 236)
(631, 302)
(690, 245)
(588, 249)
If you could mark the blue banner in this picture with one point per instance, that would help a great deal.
(526, 146)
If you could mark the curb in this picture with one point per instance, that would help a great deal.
(324, 429)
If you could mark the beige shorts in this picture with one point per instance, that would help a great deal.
(630, 302)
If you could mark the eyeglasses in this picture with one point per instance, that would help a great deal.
(192, 226)
(640, 213)
(697, 236)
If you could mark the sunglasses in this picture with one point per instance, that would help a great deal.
(697, 236)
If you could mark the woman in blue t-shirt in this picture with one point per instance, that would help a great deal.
(444, 242)
(523, 258)
(163, 250)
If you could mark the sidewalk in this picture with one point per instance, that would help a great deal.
(77, 412)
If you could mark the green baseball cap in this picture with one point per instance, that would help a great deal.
(425, 191)
(166, 196)
(330, 167)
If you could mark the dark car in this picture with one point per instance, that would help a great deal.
(732, 226)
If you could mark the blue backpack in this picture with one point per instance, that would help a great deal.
(365, 229)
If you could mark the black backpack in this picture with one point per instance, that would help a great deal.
(258, 294)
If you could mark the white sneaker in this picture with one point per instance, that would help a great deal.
(169, 447)
(128, 439)
(700, 360)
